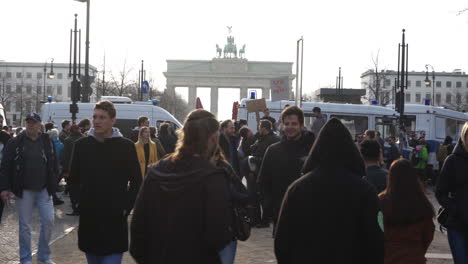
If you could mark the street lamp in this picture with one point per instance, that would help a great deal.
(51, 74)
(428, 82)
(86, 85)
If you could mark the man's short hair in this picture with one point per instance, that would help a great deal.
(141, 120)
(49, 126)
(106, 106)
(370, 150)
(65, 123)
(225, 123)
(370, 134)
(293, 110)
(316, 110)
(84, 123)
(266, 109)
(244, 131)
(265, 123)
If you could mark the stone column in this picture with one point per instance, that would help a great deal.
(170, 90)
(243, 93)
(192, 97)
(214, 101)
(266, 93)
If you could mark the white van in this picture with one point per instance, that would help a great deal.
(127, 114)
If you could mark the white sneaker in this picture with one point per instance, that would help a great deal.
(45, 262)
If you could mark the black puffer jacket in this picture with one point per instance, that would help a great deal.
(282, 165)
(329, 215)
(454, 179)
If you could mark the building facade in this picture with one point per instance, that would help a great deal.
(24, 86)
(450, 88)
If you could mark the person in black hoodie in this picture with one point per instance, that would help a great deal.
(329, 215)
(105, 171)
(452, 194)
(283, 162)
(182, 211)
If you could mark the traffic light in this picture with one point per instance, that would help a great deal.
(399, 102)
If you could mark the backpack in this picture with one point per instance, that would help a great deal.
(442, 153)
(414, 157)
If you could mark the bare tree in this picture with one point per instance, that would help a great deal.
(172, 103)
(458, 101)
(378, 82)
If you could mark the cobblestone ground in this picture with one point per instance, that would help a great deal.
(257, 250)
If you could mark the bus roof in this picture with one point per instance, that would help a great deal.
(428, 109)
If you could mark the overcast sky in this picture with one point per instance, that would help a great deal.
(337, 33)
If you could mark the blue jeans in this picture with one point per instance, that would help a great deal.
(25, 205)
(108, 259)
(228, 254)
(458, 242)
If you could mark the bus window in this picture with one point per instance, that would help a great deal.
(355, 124)
(386, 126)
(451, 128)
(410, 123)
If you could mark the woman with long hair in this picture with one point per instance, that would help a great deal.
(408, 216)
(182, 211)
(452, 194)
(146, 150)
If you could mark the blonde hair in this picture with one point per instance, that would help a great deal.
(463, 133)
(140, 135)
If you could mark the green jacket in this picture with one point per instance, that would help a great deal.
(423, 157)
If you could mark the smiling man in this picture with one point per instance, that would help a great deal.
(283, 161)
(103, 164)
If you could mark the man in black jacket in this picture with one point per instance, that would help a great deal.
(283, 161)
(265, 139)
(228, 144)
(330, 214)
(375, 175)
(105, 170)
(29, 169)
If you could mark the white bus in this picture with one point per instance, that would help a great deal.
(357, 118)
(127, 114)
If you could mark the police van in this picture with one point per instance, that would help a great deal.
(127, 113)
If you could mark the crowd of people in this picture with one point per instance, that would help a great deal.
(329, 197)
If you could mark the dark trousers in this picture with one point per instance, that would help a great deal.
(1, 209)
(458, 242)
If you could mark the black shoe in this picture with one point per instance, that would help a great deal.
(263, 225)
(58, 202)
(74, 213)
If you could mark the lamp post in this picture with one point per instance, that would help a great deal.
(51, 75)
(299, 83)
(427, 82)
(86, 85)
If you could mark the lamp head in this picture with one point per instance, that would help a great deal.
(427, 81)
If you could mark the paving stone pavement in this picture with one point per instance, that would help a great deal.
(257, 250)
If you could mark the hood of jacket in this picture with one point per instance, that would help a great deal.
(459, 150)
(176, 177)
(115, 133)
(335, 149)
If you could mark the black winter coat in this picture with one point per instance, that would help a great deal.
(102, 172)
(259, 148)
(12, 167)
(281, 166)
(168, 142)
(329, 215)
(454, 179)
(67, 150)
(181, 214)
(224, 144)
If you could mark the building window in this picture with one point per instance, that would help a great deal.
(438, 98)
(18, 89)
(14, 117)
(8, 107)
(59, 89)
(8, 75)
(8, 88)
(428, 96)
(418, 83)
(448, 84)
(28, 89)
(466, 84)
(17, 106)
(39, 75)
(458, 84)
(28, 75)
(59, 76)
(408, 97)
(448, 98)
(438, 84)
(49, 90)
(19, 75)
(28, 106)
(387, 82)
(408, 83)
(418, 98)
(39, 89)
(458, 99)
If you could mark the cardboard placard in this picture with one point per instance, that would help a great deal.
(257, 105)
